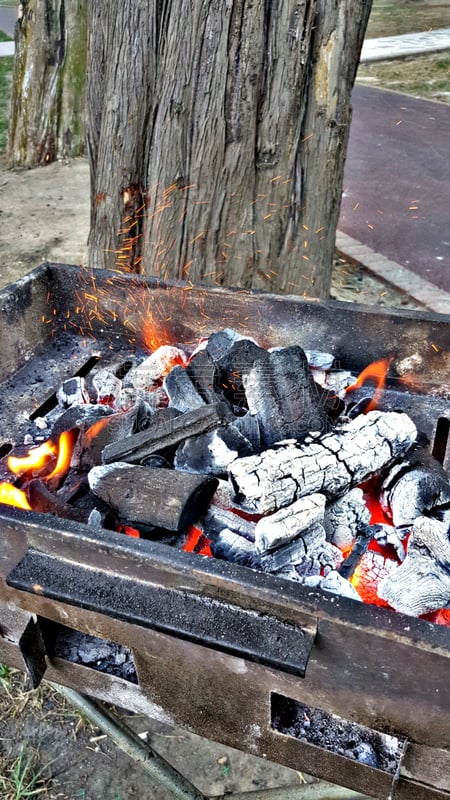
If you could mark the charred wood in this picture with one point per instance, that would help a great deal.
(305, 555)
(230, 546)
(217, 519)
(330, 464)
(212, 453)
(422, 583)
(92, 441)
(160, 497)
(345, 517)
(181, 390)
(288, 523)
(417, 486)
(46, 502)
(153, 369)
(203, 373)
(73, 392)
(166, 430)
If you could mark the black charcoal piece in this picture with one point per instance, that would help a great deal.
(93, 439)
(166, 430)
(221, 342)
(171, 500)
(212, 453)
(203, 373)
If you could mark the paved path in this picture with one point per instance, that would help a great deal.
(409, 44)
(396, 196)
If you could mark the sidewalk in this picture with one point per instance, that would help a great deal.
(410, 44)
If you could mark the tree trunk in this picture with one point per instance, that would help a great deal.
(48, 96)
(218, 134)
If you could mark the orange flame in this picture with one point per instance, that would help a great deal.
(48, 456)
(376, 373)
(12, 496)
(36, 461)
(154, 334)
(66, 444)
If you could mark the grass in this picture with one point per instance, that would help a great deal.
(23, 778)
(6, 67)
(389, 18)
(425, 76)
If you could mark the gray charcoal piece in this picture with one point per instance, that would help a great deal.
(216, 519)
(181, 391)
(345, 517)
(333, 583)
(422, 582)
(73, 392)
(288, 523)
(221, 342)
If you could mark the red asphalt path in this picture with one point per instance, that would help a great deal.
(396, 197)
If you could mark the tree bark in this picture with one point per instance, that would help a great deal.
(49, 79)
(229, 122)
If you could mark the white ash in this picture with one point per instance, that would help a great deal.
(422, 583)
(288, 523)
(338, 381)
(319, 360)
(41, 423)
(333, 583)
(156, 366)
(345, 517)
(217, 519)
(409, 491)
(331, 464)
(73, 392)
(413, 363)
(108, 388)
(306, 554)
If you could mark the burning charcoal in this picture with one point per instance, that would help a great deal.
(412, 488)
(232, 547)
(108, 387)
(283, 526)
(78, 417)
(144, 495)
(221, 342)
(167, 429)
(330, 464)
(319, 360)
(345, 517)
(202, 371)
(422, 583)
(212, 453)
(93, 440)
(47, 503)
(338, 381)
(156, 461)
(333, 583)
(73, 392)
(388, 535)
(307, 554)
(148, 374)
(365, 535)
(282, 395)
(181, 391)
(216, 519)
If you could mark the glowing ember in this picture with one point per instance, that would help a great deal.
(374, 373)
(372, 568)
(197, 542)
(12, 496)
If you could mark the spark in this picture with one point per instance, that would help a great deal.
(435, 348)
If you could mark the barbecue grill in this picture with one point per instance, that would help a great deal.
(225, 651)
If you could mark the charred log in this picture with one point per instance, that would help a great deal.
(107, 431)
(160, 497)
(288, 523)
(330, 464)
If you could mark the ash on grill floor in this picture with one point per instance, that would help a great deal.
(81, 648)
(335, 734)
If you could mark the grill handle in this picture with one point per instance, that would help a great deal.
(192, 615)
